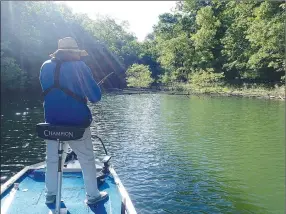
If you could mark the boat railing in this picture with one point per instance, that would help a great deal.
(127, 205)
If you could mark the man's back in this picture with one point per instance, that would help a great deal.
(61, 108)
(67, 82)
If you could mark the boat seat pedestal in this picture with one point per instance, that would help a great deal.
(60, 134)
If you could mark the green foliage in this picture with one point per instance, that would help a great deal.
(283, 79)
(244, 40)
(235, 45)
(205, 37)
(139, 76)
(148, 55)
(207, 78)
(115, 36)
(267, 39)
(176, 53)
(12, 77)
(169, 77)
(30, 32)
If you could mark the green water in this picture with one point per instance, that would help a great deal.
(174, 154)
(238, 141)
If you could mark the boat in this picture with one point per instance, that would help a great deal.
(24, 192)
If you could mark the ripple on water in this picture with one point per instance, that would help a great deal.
(175, 154)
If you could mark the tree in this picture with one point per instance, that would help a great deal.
(235, 45)
(205, 39)
(139, 76)
(267, 40)
(177, 57)
(244, 40)
(31, 31)
(148, 55)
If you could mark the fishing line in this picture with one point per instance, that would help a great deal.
(99, 83)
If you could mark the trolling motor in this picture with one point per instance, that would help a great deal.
(60, 134)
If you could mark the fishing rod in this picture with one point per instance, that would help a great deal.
(104, 78)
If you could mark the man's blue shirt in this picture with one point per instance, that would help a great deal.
(60, 108)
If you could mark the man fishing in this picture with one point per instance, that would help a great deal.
(68, 83)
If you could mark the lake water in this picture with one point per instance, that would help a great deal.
(174, 154)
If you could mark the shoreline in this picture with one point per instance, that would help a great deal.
(183, 90)
(234, 93)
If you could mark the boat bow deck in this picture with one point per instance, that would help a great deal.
(30, 197)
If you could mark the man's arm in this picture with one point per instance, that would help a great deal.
(43, 76)
(90, 88)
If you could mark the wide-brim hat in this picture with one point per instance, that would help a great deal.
(68, 44)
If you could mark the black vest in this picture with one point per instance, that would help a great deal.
(56, 84)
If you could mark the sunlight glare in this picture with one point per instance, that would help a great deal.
(141, 15)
